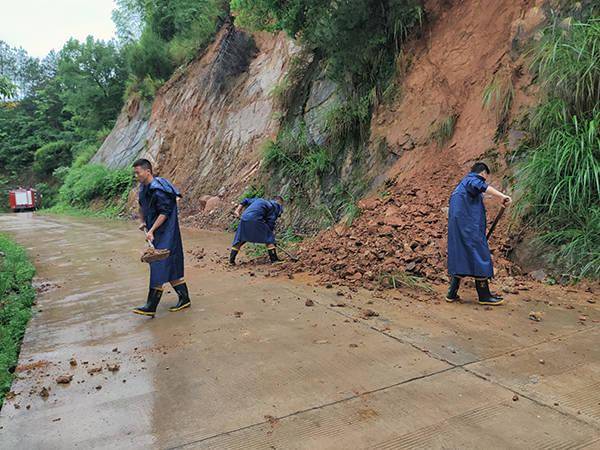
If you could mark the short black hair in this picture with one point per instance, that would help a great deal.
(144, 164)
(278, 198)
(479, 167)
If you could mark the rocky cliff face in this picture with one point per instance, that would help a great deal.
(207, 123)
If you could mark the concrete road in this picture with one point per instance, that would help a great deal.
(251, 366)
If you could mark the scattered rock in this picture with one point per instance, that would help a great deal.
(536, 316)
(64, 379)
(45, 392)
(93, 370)
(309, 302)
(238, 314)
(367, 313)
(515, 398)
(113, 367)
(73, 362)
(538, 275)
(321, 341)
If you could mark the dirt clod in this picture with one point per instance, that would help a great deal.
(536, 316)
(64, 379)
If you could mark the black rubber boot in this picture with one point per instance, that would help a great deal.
(273, 255)
(485, 296)
(452, 295)
(149, 309)
(184, 298)
(232, 256)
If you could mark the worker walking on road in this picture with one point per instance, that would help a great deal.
(468, 251)
(158, 209)
(257, 224)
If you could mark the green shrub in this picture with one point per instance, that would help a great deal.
(149, 57)
(293, 152)
(253, 191)
(349, 120)
(50, 157)
(16, 297)
(94, 182)
(357, 38)
(559, 180)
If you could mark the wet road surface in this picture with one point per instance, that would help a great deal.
(251, 366)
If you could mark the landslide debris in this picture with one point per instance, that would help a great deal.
(399, 240)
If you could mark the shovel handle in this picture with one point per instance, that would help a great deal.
(145, 230)
(495, 222)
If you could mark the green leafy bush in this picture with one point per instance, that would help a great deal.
(357, 38)
(94, 182)
(16, 297)
(294, 153)
(253, 191)
(50, 157)
(559, 179)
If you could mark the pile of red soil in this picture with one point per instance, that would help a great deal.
(401, 232)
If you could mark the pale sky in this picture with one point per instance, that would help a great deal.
(42, 25)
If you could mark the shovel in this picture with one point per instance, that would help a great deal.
(288, 254)
(495, 222)
(152, 254)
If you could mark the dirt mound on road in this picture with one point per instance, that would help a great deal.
(399, 236)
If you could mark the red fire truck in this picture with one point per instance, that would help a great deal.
(23, 199)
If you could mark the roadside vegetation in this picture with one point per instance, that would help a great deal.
(56, 111)
(16, 298)
(558, 176)
(356, 44)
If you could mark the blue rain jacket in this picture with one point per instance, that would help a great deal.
(257, 223)
(160, 197)
(468, 251)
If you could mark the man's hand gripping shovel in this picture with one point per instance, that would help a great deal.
(152, 254)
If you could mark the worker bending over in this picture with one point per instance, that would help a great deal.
(257, 225)
(468, 251)
(158, 209)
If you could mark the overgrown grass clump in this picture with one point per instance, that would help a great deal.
(93, 183)
(294, 153)
(559, 179)
(16, 297)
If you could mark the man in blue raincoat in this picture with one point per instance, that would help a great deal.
(158, 208)
(257, 224)
(468, 251)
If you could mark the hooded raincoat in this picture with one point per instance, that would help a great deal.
(257, 223)
(468, 251)
(160, 197)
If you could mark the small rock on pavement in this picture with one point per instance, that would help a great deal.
(309, 302)
(369, 313)
(535, 316)
(64, 379)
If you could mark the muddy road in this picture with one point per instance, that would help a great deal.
(250, 365)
